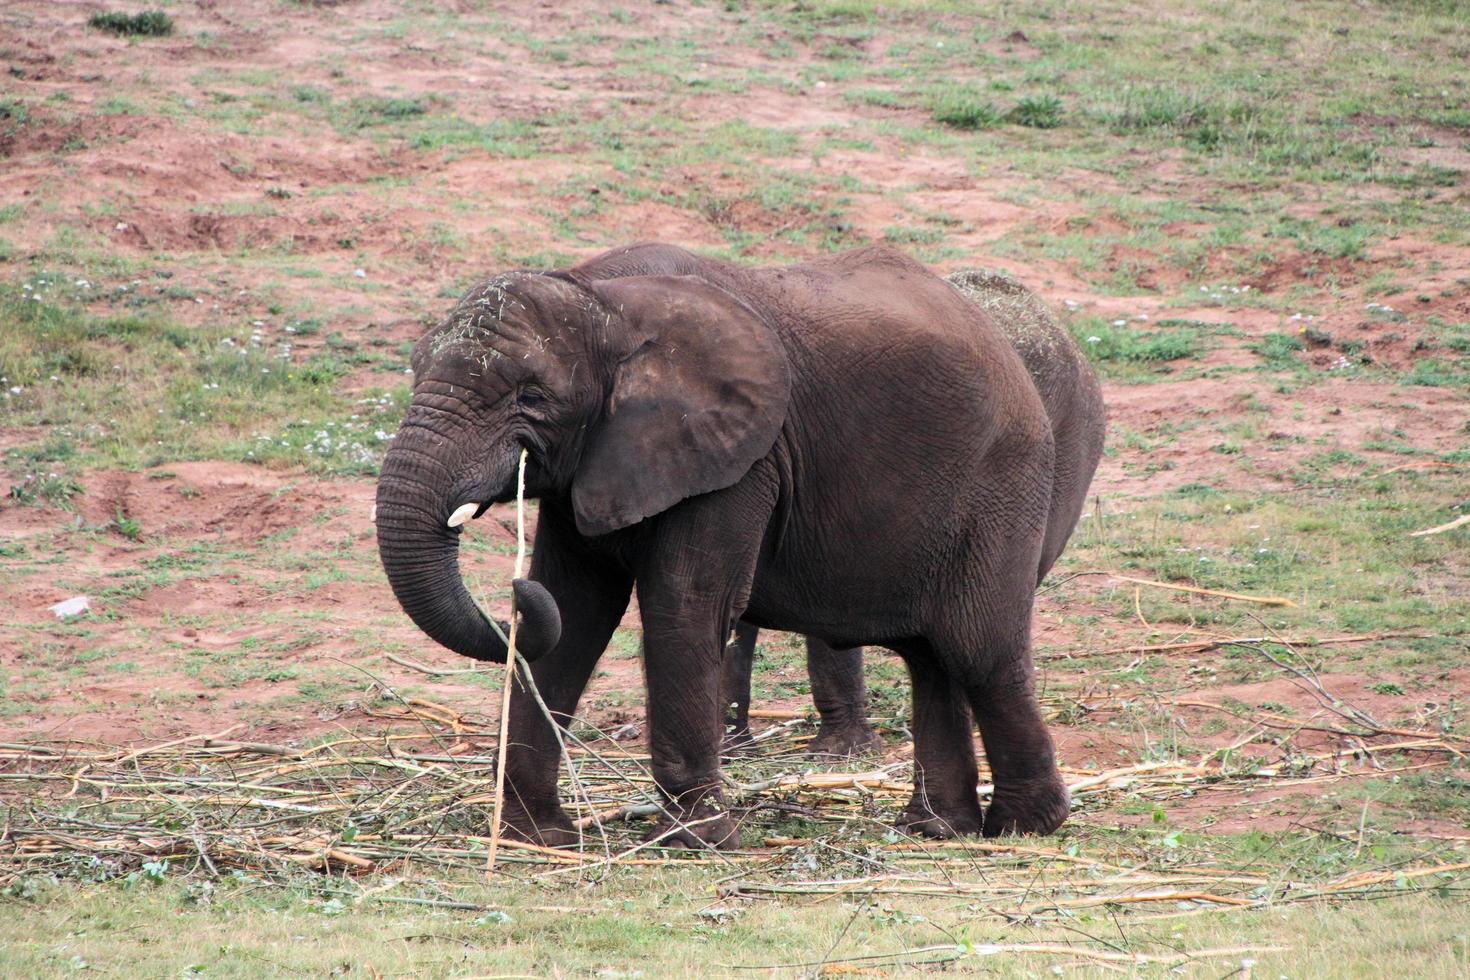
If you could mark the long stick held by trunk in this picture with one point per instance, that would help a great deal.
(510, 671)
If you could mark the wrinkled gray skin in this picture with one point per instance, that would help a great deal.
(847, 449)
(1070, 396)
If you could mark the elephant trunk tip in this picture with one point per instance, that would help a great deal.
(539, 629)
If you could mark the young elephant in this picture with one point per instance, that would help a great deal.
(1069, 394)
(846, 448)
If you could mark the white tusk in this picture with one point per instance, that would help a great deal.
(463, 513)
(373, 515)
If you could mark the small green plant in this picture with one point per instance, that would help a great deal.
(50, 488)
(965, 109)
(1278, 350)
(1388, 688)
(13, 115)
(1038, 112)
(149, 23)
(912, 236)
(127, 526)
(151, 873)
(1102, 341)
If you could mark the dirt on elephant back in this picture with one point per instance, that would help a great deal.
(244, 598)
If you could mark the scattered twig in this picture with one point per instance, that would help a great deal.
(1193, 590)
(1457, 522)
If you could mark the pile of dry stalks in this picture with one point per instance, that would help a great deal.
(420, 793)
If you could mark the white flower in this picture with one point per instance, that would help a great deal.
(1094, 339)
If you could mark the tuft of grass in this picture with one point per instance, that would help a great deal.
(378, 109)
(149, 23)
(54, 489)
(965, 108)
(1278, 350)
(1038, 112)
(127, 526)
(1111, 346)
(13, 115)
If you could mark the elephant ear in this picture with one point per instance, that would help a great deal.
(699, 396)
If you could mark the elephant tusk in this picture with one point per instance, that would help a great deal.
(373, 514)
(463, 513)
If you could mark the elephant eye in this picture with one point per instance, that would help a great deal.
(529, 398)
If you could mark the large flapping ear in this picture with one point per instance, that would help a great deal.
(700, 396)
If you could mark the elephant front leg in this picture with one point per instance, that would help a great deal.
(592, 598)
(693, 576)
(841, 699)
(681, 652)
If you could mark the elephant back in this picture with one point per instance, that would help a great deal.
(1067, 385)
(1051, 356)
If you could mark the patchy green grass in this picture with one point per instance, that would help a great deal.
(149, 23)
(1127, 350)
(1347, 562)
(171, 392)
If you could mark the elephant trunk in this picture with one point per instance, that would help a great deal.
(420, 554)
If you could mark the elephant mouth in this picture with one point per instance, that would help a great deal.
(469, 511)
(473, 504)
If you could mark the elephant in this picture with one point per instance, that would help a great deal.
(845, 448)
(1068, 393)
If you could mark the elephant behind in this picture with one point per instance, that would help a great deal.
(1073, 401)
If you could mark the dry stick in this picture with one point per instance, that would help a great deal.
(510, 671)
(1422, 465)
(1201, 646)
(956, 952)
(1462, 519)
(1262, 600)
(136, 753)
(433, 671)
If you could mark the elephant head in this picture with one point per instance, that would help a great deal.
(628, 396)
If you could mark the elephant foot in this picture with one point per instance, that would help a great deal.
(845, 742)
(701, 829)
(923, 818)
(547, 826)
(1037, 807)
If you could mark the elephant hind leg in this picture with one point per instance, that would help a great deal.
(945, 803)
(984, 676)
(739, 657)
(841, 698)
(1030, 796)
